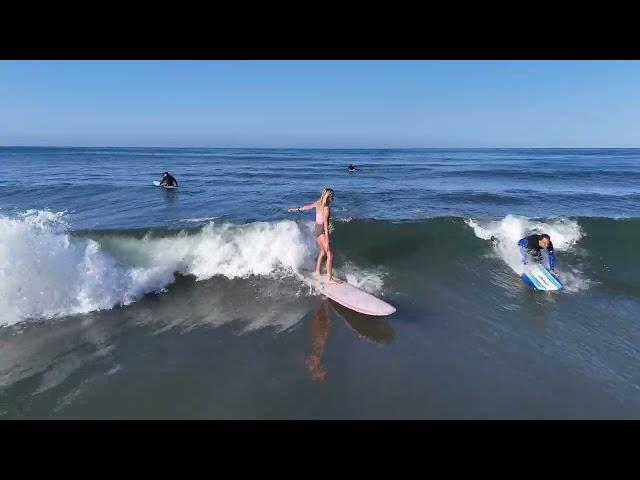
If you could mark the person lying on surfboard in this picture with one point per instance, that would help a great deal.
(321, 232)
(168, 181)
(533, 244)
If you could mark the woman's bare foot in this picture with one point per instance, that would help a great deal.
(331, 280)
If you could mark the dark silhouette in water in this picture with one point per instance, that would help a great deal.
(168, 180)
(374, 329)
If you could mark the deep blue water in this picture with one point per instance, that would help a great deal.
(112, 187)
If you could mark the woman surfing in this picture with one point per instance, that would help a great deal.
(321, 232)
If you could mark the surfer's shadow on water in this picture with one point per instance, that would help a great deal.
(372, 329)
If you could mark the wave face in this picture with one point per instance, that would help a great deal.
(46, 271)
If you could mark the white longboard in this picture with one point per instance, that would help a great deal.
(157, 184)
(351, 297)
(540, 278)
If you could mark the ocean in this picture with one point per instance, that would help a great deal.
(119, 299)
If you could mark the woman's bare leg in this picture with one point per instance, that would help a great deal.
(330, 278)
(321, 254)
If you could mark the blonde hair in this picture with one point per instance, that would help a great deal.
(326, 193)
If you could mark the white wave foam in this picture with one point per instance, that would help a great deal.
(234, 251)
(197, 220)
(46, 272)
(505, 233)
(371, 281)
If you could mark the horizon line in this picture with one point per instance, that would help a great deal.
(323, 148)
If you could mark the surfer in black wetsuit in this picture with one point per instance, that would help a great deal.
(168, 181)
(351, 168)
(534, 244)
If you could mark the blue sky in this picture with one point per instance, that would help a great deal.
(339, 104)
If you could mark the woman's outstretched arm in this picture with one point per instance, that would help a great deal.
(304, 207)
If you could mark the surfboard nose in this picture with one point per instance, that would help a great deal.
(358, 300)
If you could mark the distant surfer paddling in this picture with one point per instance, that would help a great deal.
(534, 244)
(168, 180)
(351, 168)
(321, 232)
